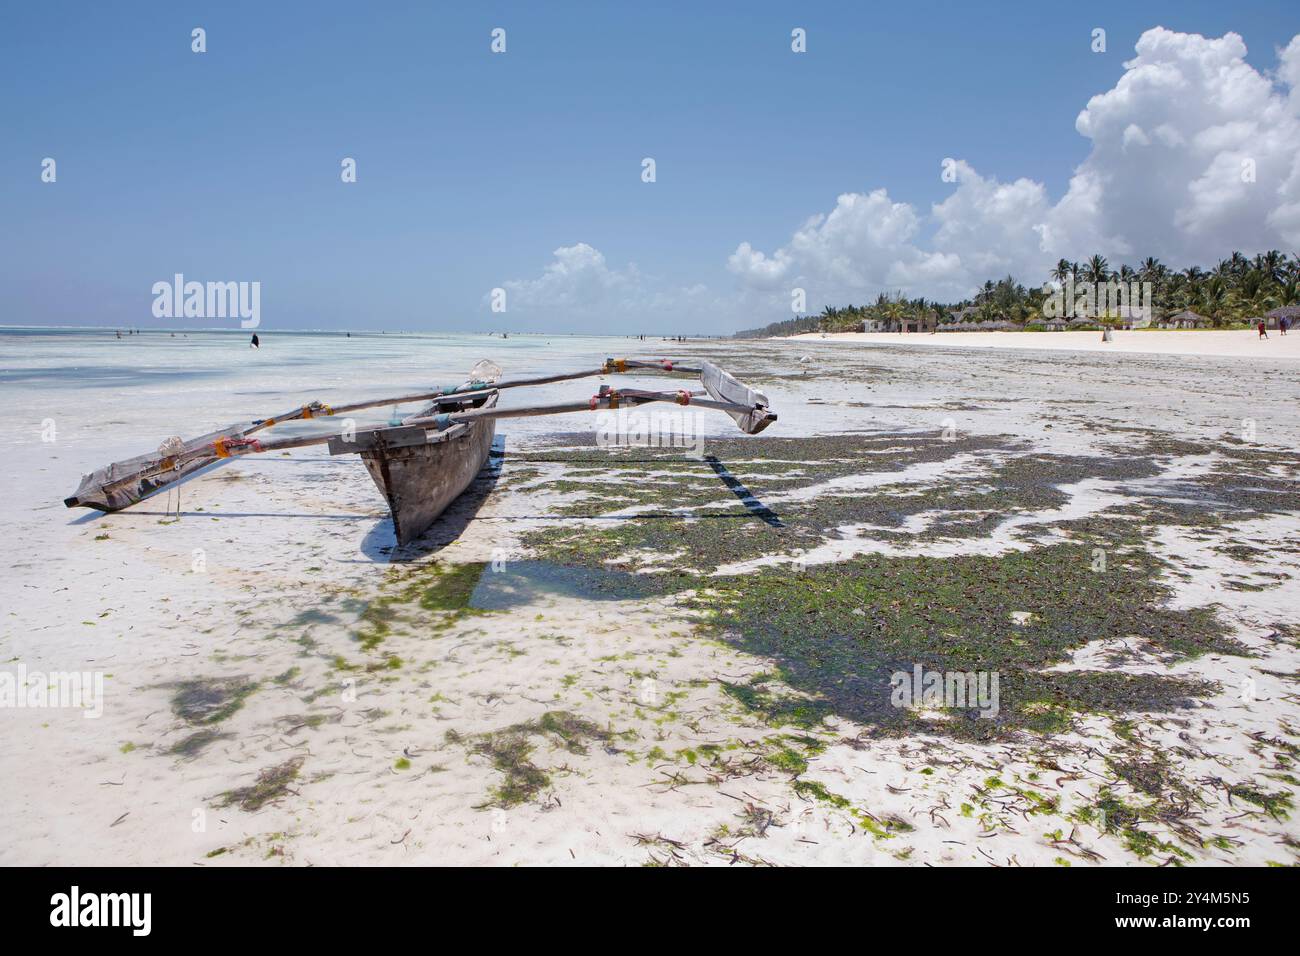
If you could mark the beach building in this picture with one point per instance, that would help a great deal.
(1289, 312)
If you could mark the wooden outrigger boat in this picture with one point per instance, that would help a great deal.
(425, 462)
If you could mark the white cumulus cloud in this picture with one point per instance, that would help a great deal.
(578, 287)
(1194, 153)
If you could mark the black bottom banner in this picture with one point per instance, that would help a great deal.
(218, 904)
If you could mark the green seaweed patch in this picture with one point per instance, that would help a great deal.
(766, 696)
(812, 790)
(312, 615)
(271, 784)
(194, 744)
(720, 528)
(839, 634)
(510, 750)
(429, 597)
(1111, 815)
(1276, 804)
(210, 700)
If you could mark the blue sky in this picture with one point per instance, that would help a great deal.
(473, 168)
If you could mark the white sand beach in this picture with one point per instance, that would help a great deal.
(283, 688)
(1241, 343)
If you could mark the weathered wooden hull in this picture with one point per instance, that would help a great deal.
(420, 480)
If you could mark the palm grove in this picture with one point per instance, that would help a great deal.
(1237, 291)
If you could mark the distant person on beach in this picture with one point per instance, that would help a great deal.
(256, 343)
(1263, 332)
(1283, 324)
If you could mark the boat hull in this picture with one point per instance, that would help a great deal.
(419, 481)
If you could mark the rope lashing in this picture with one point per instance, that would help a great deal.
(226, 447)
(666, 365)
(683, 398)
(615, 365)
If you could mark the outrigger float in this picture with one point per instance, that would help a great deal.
(424, 463)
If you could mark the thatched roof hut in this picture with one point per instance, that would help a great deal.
(988, 325)
(1289, 312)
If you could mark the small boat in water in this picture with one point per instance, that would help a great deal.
(422, 462)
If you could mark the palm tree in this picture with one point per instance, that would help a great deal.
(1097, 270)
(1213, 298)
(1064, 269)
(1288, 292)
(894, 311)
(1272, 264)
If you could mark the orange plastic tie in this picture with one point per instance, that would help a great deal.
(226, 447)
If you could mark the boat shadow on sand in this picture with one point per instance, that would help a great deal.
(380, 543)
